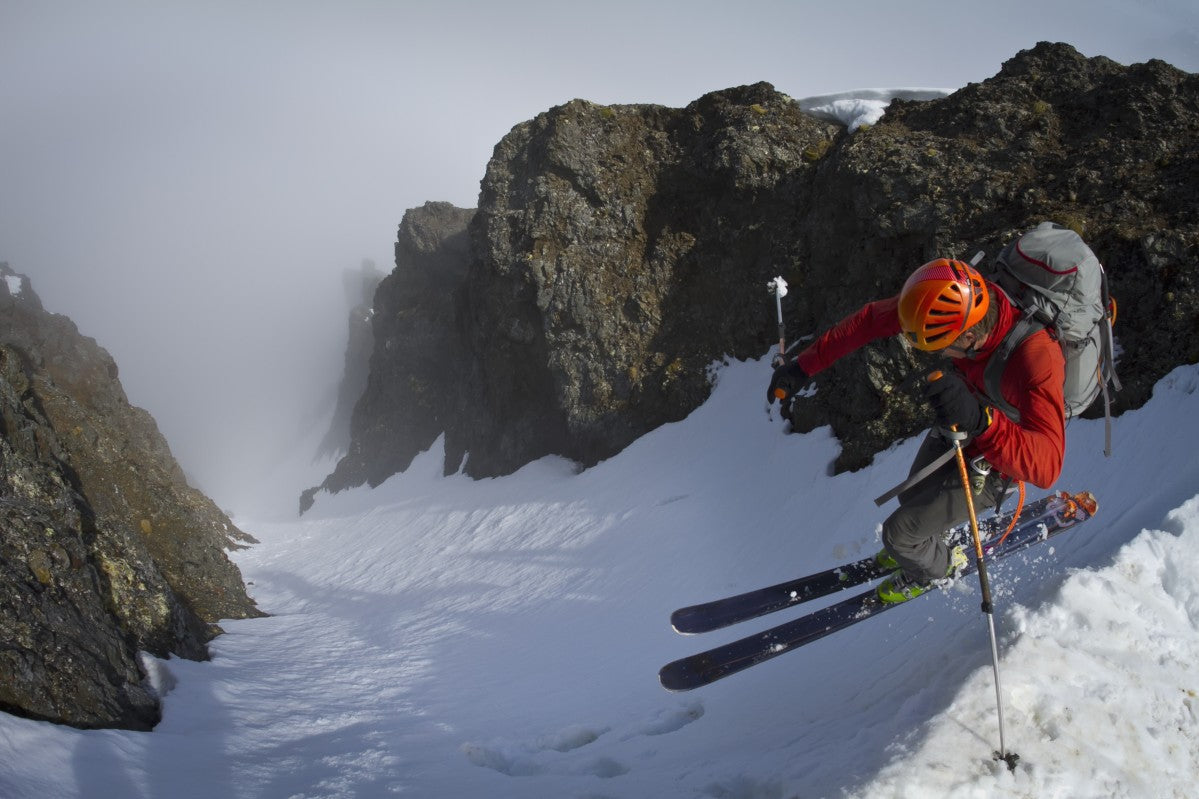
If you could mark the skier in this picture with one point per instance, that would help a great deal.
(947, 307)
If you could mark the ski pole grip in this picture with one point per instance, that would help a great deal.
(988, 606)
(952, 433)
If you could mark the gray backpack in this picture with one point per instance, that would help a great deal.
(1054, 278)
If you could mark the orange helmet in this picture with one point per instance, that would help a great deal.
(939, 301)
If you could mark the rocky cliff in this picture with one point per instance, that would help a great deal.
(104, 549)
(360, 286)
(618, 251)
(417, 352)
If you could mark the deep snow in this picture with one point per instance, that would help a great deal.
(443, 637)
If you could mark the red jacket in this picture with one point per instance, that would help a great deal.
(1032, 450)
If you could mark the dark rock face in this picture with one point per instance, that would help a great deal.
(360, 286)
(105, 549)
(417, 349)
(619, 251)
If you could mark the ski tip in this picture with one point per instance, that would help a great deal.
(676, 678)
(681, 622)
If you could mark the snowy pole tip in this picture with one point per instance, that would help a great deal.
(1011, 758)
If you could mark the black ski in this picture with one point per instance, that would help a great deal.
(718, 613)
(1040, 520)
(743, 607)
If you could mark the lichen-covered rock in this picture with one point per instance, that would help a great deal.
(106, 549)
(619, 252)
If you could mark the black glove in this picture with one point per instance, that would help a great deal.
(788, 378)
(954, 404)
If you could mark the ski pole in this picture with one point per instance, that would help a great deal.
(987, 607)
(778, 287)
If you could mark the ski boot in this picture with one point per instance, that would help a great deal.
(899, 588)
(884, 561)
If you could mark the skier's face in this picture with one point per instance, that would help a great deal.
(964, 345)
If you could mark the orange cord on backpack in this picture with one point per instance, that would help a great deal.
(1015, 516)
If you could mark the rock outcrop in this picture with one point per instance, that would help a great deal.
(1106, 149)
(418, 354)
(360, 286)
(105, 551)
(618, 251)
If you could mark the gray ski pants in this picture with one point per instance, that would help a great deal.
(912, 534)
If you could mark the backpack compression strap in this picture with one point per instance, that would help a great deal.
(993, 373)
(1107, 364)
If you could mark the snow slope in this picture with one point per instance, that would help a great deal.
(443, 637)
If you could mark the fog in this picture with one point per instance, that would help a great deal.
(188, 181)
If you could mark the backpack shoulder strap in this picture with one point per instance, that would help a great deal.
(993, 373)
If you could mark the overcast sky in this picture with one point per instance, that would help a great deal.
(188, 180)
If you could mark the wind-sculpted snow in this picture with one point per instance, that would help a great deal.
(556, 753)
